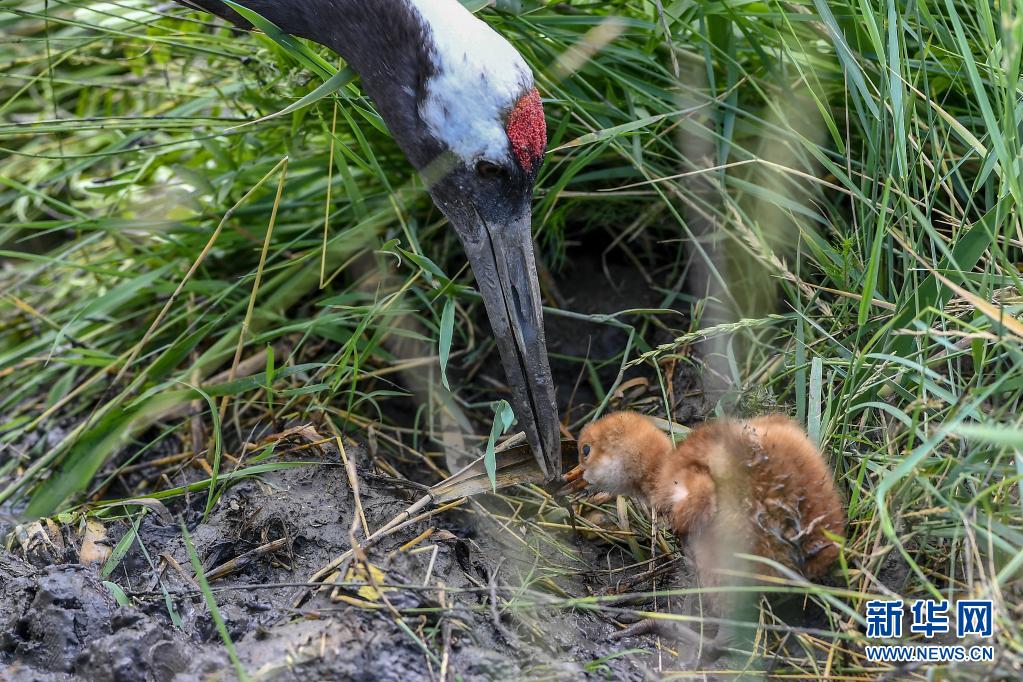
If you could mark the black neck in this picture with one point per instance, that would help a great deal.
(384, 41)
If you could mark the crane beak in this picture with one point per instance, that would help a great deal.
(501, 256)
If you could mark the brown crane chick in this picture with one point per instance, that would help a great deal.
(756, 487)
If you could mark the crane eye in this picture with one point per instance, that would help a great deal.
(488, 170)
(586, 450)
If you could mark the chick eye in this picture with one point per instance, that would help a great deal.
(488, 170)
(586, 450)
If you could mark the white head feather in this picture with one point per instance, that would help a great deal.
(479, 78)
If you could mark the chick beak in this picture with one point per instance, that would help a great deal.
(574, 481)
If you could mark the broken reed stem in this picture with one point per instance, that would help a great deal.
(399, 522)
(242, 559)
(445, 629)
(353, 482)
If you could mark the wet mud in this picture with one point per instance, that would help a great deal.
(59, 621)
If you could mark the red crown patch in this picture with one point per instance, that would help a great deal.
(527, 131)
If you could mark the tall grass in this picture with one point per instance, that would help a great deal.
(846, 177)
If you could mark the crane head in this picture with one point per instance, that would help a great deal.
(486, 193)
(480, 108)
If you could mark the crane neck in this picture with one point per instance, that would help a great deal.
(385, 41)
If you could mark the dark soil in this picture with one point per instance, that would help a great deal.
(59, 621)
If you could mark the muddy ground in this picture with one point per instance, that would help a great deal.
(478, 592)
(59, 621)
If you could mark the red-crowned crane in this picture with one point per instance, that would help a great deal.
(461, 103)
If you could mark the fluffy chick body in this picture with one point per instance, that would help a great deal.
(731, 487)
